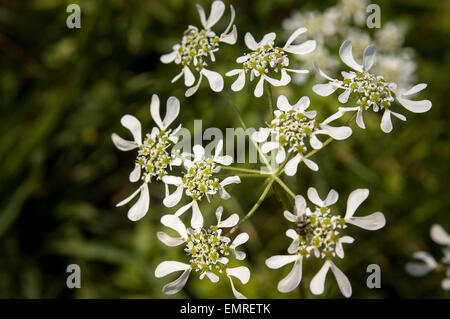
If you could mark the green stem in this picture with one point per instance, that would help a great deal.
(285, 187)
(270, 97)
(239, 169)
(255, 206)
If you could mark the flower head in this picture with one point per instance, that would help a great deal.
(154, 157)
(372, 91)
(267, 61)
(291, 127)
(208, 252)
(318, 233)
(198, 46)
(199, 180)
(428, 263)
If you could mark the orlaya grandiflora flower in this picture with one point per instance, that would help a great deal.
(428, 262)
(154, 156)
(198, 46)
(291, 127)
(208, 251)
(372, 91)
(267, 60)
(318, 233)
(198, 181)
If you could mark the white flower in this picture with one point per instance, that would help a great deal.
(198, 181)
(290, 127)
(372, 91)
(318, 233)
(208, 252)
(197, 46)
(428, 262)
(267, 60)
(154, 157)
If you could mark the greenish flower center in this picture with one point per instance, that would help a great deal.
(196, 46)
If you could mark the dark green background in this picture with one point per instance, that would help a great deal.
(63, 92)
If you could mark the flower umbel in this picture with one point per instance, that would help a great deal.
(198, 46)
(267, 61)
(318, 233)
(154, 157)
(208, 252)
(372, 91)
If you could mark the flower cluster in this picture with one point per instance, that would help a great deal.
(372, 92)
(291, 126)
(198, 47)
(428, 263)
(267, 61)
(208, 252)
(318, 233)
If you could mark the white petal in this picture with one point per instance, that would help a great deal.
(343, 97)
(303, 48)
(129, 198)
(371, 222)
(439, 235)
(224, 160)
(177, 285)
(191, 91)
(417, 269)
(386, 123)
(140, 208)
(174, 223)
(199, 152)
(415, 106)
(415, 89)
(250, 41)
(242, 273)
(338, 133)
(369, 57)
(321, 73)
(290, 232)
(291, 166)
(294, 36)
(315, 142)
(324, 89)
(183, 209)
(169, 240)
(231, 37)
(342, 280)
(173, 108)
(135, 173)
(240, 239)
(317, 284)
(259, 89)
(292, 280)
(427, 258)
(332, 198)
(289, 216)
(215, 80)
(172, 180)
(217, 10)
(346, 55)
(123, 144)
(313, 196)
(169, 57)
(202, 15)
(300, 205)
(233, 15)
(213, 277)
(219, 212)
(133, 124)
(174, 198)
(168, 267)
(230, 180)
(154, 111)
(281, 156)
(268, 38)
(279, 261)
(354, 200)
(236, 293)
(283, 103)
(229, 222)
(261, 135)
(310, 164)
(239, 83)
(197, 217)
(269, 146)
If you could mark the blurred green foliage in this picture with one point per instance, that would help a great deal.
(64, 91)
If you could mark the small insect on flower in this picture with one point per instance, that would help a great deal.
(208, 252)
(154, 158)
(198, 46)
(267, 61)
(291, 127)
(428, 262)
(371, 91)
(318, 233)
